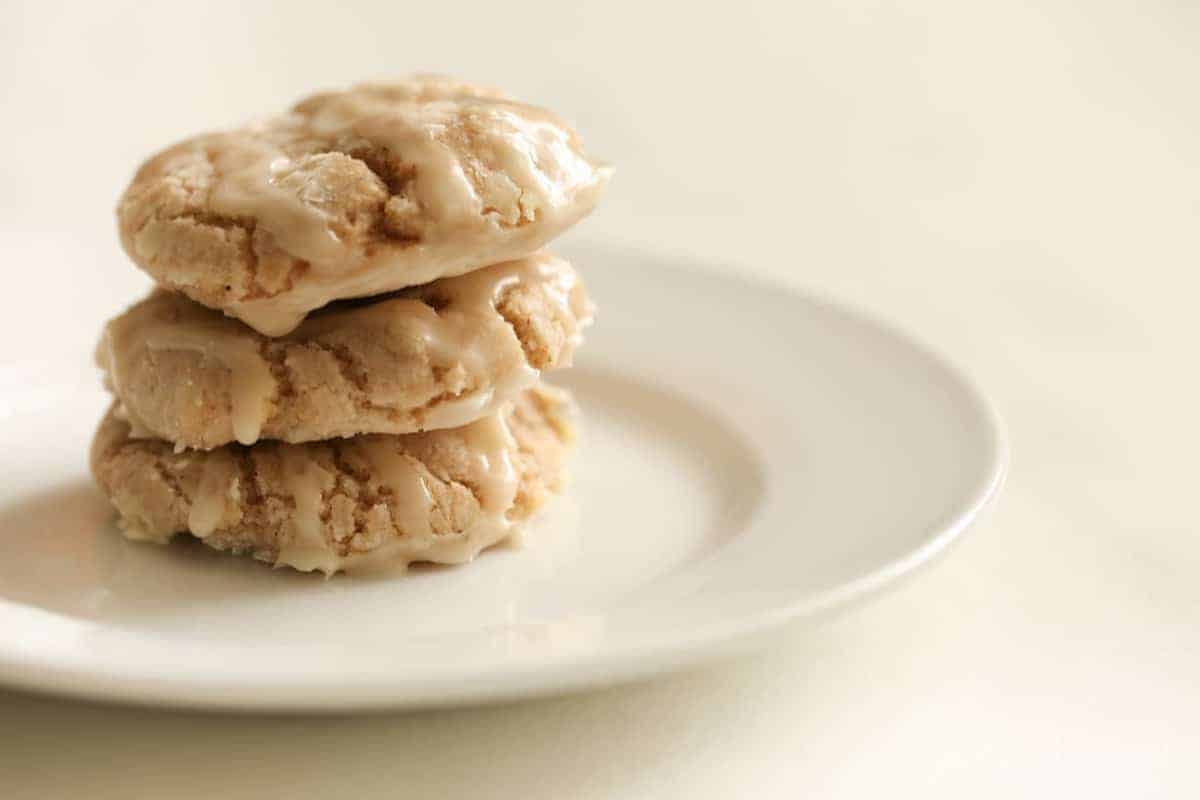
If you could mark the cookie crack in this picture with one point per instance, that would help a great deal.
(276, 360)
(537, 349)
(169, 478)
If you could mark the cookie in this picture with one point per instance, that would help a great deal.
(355, 193)
(370, 502)
(434, 356)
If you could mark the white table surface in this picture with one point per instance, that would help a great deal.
(1016, 186)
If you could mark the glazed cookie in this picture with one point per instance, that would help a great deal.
(434, 356)
(363, 503)
(355, 193)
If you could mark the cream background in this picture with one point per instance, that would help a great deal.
(1015, 183)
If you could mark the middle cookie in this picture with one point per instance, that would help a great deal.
(434, 356)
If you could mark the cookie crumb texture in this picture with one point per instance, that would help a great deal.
(355, 193)
(367, 503)
(429, 357)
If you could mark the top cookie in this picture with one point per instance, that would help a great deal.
(355, 193)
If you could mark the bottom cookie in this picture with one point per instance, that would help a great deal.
(367, 502)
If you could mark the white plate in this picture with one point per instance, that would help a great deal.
(749, 457)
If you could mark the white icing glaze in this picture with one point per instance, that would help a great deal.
(531, 157)
(212, 493)
(492, 446)
(467, 334)
(198, 330)
(396, 555)
(491, 471)
(133, 530)
(409, 499)
(306, 547)
(250, 187)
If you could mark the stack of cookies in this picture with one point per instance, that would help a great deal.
(340, 367)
